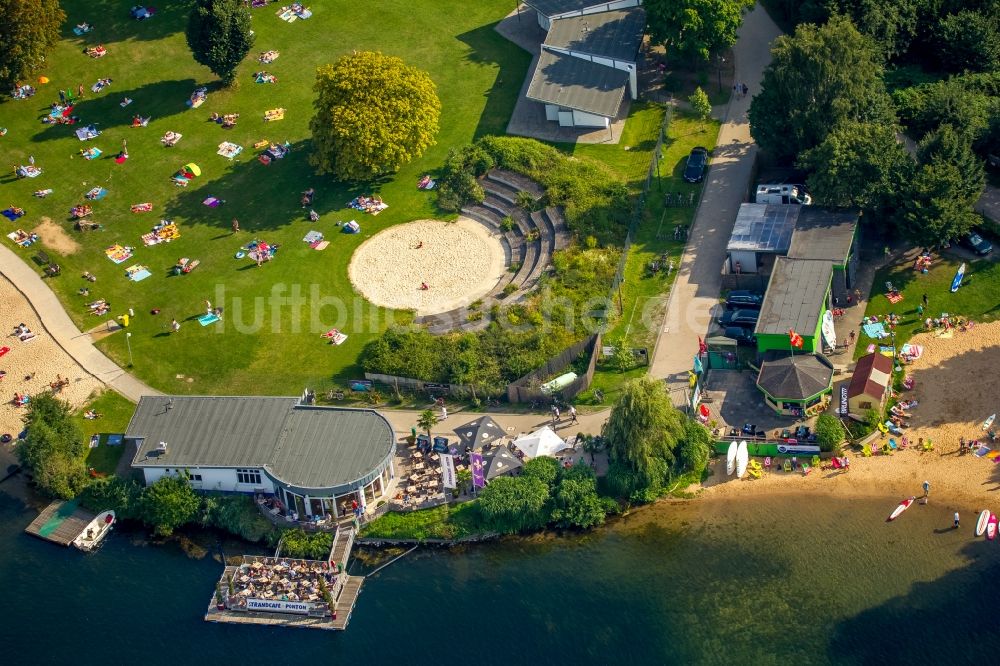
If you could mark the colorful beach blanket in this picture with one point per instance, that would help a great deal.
(22, 237)
(313, 237)
(118, 253)
(229, 150)
(96, 194)
(137, 273)
(207, 319)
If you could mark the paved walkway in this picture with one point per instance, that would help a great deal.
(515, 424)
(62, 329)
(695, 294)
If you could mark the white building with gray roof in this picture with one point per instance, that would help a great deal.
(314, 460)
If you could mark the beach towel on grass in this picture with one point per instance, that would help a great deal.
(894, 297)
(982, 451)
(887, 350)
(87, 133)
(11, 215)
(114, 440)
(118, 254)
(207, 319)
(312, 237)
(322, 245)
(875, 330)
(96, 194)
(94, 441)
(137, 273)
(229, 150)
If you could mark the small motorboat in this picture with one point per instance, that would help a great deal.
(903, 506)
(95, 531)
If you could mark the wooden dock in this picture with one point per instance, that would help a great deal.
(345, 606)
(60, 522)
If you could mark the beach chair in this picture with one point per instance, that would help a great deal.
(767, 463)
(928, 445)
(892, 443)
(806, 468)
(787, 465)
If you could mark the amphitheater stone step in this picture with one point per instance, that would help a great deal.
(516, 182)
(500, 190)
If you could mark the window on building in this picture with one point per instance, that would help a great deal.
(196, 477)
(248, 476)
(865, 405)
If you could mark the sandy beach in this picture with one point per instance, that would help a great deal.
(459, 261)
(956, 390)
(31, 366)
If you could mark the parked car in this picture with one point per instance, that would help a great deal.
(694, 171)
(743, 336)
(743, 299)
(977, 243)
(774, 193)
(743, 318)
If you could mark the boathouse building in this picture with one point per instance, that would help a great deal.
(313, 459)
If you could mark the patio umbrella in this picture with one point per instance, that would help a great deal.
(499, 461)
(542, 442)
(483, 430)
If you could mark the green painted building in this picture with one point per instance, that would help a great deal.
(798, 293)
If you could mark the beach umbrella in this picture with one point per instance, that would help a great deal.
(191, 167)
(43, 79)
(542, 442)
(499, 461)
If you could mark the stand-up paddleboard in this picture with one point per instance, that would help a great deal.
(742, 459)
(988, 422)
(731, 459)
(957, 282)
(984, 518)
(991, 527)
(903, 506)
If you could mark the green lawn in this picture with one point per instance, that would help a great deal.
(977, 299)
(269, 341)
(448, 521)
(115, 413)
(643, 294)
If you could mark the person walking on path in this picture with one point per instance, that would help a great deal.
(744, 89)
(236, 226)
(955, 526)
(444, 412)
(572, 414)
(924, 299)
(927, 491)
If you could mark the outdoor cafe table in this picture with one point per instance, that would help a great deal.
(420, 466)
(418, 455)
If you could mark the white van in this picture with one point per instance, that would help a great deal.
(773, 193)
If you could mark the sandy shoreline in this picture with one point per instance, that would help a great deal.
(956, 392)
(41, 359)
(459, 261)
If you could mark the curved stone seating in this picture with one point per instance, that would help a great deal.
(533, 258)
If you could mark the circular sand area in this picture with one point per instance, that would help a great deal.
(459, 261)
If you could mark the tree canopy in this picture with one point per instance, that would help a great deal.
(54, 451)
(643, 430)
(576, 503)
(931, 208)
(697, 28)
(829, 431)
(818, 78)
(219, 35)
(28, 29)
(515, 504)
(169, 503)
(857, 164)
(374, 114)
(969, 41)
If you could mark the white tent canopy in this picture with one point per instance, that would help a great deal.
(543, 442)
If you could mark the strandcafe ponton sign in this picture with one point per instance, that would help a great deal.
(274, 606)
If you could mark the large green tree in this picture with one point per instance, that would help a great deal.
(219, 35)
(53, 451)
(576, 504)
(948, 145)
(643, 430)
(696, 28)
(28, 29)
(932, 208)
(969, 41)
(818, 78)
(169, 503)
(374, 114)
(857, 164)
(515, 504)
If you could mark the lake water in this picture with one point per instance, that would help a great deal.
(779, 580)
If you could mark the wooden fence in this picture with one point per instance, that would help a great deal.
(529, 387)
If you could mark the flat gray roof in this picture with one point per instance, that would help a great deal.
(764, 228)
(616, 34)
(577, 84)
(795, 296)
(301, 445)
(556, 7)
(824, 233)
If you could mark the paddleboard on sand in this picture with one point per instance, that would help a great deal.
(903, 506)
(742, 459)
(984, 518)
(988, 422)
(731, 459)
(991, 527)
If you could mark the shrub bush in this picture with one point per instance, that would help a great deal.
(829, 432)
